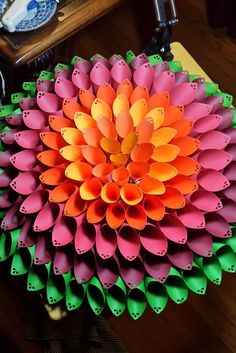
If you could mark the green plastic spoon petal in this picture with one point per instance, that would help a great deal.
(8, 243)
(211, 267)
(96, 296)
(116, 297)
(176, 287)
(75, 294)
(156, 294)
(137, 301)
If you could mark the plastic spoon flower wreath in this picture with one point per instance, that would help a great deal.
(118, 183)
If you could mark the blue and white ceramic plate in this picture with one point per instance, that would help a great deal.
(36, 17)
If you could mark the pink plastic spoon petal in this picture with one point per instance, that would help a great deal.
(206, 201)
(34, 202)
(212, 180)
(214, 159)
(28, 139)
(213, 140)
(5, 158)
(65, 88)
(138, 61)
(85, 237)
(49, 102)
(25, 160)
(165, 81)
(215, 102)
(35, 119)
(196, 111)
(143, 76)
(191, 217)
(13, 218)
(207, 123)
(120, 71)
(47, 216)
(80, 79)
(183, 94)
(128, 242)
(227, 117)
(25, 183)
(45, 85)
(63, 231)
(106, 241)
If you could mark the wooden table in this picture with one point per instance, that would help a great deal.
(85, 13)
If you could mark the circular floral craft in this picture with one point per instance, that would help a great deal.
(118, 183)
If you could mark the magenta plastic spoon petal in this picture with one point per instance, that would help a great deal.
(157, 267)
(200, 242)
(108, 272)
(153, 240)
(180, 256)
(228, 211)
(132, 272)
(217, 225)
(27, 236)
(62, 262)
(84, 266)
(43, 250)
